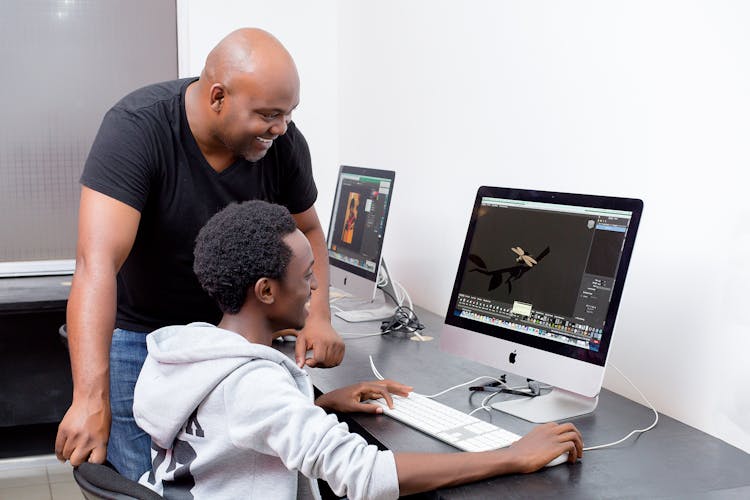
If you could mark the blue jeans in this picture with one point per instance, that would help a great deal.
(129, 448)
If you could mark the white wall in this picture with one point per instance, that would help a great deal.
(647, 99)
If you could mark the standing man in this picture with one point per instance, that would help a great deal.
(166, 158)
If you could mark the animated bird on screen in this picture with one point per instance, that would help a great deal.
(525, 262)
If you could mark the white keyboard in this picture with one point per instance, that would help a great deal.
(447, 424)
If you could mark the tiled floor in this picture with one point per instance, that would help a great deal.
(37, 478)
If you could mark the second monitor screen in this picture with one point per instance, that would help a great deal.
(544, 271)
(359, 220)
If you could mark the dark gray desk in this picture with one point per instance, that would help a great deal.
(35, 380)
(671, 461)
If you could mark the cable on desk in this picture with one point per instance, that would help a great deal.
(380, 377)
(483, 405)
(404, 319)
(636, 431)
(354, 335)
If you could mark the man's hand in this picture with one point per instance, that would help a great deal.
(349, 399)
(327, 347)
(83, 432)
(545, 443)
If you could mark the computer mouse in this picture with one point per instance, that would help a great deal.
(559, 460)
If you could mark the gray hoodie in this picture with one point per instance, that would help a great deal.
(233, 419)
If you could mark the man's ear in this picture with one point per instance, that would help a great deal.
(216, 96)
(264, 291)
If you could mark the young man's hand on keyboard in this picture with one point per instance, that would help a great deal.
(546, 442)
(350, 399)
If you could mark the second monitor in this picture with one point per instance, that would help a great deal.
(537, 292)
(355, 238)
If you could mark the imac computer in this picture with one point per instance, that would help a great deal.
(537, 292)
(355, 240)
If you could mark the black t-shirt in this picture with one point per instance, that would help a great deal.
(145, 156)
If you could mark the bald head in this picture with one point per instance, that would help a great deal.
(245, 96)
(248, 51)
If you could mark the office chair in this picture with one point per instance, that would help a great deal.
(99, 482)
(63, 334)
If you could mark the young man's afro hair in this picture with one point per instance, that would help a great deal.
(238, 246)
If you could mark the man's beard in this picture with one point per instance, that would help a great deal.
(244, 149)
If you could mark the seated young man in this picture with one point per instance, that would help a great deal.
(231, 417)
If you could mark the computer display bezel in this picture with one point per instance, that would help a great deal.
(634, 206)
(367, 172)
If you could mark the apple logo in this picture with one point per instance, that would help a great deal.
(512, 357)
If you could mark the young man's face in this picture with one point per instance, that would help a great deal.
(292, 303)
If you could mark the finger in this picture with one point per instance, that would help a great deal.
(381, 392)
(340, 349)
(319, 355)
(300, 350)
(578, 441)
(575, 441)
(572, 453)
(68, 449)
(79, 456)
(98, 455)
(59, 445)
(397, 387)
(368, 408)
(315, 361)
(566, 427)
(570, 436)
(375, 386)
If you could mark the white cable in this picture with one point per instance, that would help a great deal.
(405, 295)
(483, 405)
(399, 295)
(375, 370)
(359, 335)
(502, 384)
(656, 419)
(386, 278)
(383, 278)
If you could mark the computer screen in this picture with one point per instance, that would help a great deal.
(539, 283)
(357, 228)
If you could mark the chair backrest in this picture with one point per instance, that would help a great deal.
(99, 482)
(63, 334)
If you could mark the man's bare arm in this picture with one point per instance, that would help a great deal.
(106, 231)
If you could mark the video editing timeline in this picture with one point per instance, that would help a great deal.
(360, 220)
(563, 292)
(537, 323)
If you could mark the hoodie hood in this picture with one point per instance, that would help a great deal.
(184, 364)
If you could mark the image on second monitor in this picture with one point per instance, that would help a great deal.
(355, 241)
